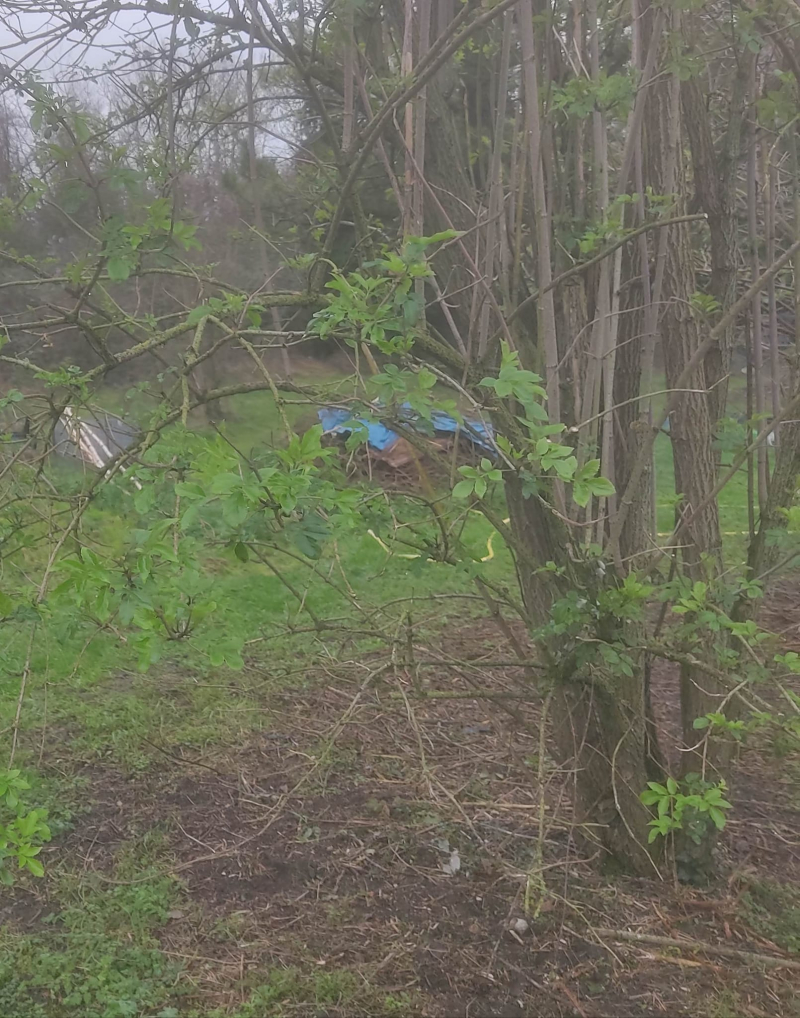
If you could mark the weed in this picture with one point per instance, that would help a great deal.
(63, 799)
(398, 1003)
(98, 956)
(727, 1004)
(772, 910)
(317, 990)
(231, 927)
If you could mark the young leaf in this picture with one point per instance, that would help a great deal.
(119, 269)
(463, 489)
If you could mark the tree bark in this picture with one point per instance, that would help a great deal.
(598, 715)
(714, 177)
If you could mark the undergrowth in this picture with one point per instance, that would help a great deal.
(96, 954)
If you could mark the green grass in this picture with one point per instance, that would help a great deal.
(772, 909)
(87, 684)
(285, 989)
(250, 420)
(97, 954)
(732, 499)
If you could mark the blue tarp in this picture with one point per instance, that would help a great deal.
(477, 432)
(334, 421)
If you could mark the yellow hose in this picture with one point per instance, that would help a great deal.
(486, 558)
(389, 550)
(489, 545)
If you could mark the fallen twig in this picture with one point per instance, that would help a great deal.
(748, 957)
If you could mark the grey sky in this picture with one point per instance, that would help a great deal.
(71, 57)
(35, 35)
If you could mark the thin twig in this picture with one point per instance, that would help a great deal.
(23, 683)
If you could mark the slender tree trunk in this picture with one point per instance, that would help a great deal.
(494, 226)
(549, 340)
(258, 214)
(756, 332)
(715, 178)
(691, 428)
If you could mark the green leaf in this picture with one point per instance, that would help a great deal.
(437, 238)
(241, 551)
(144, 499)
(699, 723)
(581, 493)
(197, 314)
(224, 484)
(602, 486)
(307, 542)
(119, 269)
(565, 468)
(189, 489)
(6, 605)
(37, 869)
(717, 816)
(234, 510)
(190, 516)
(463, 489)
(530, 484)
(672, 786)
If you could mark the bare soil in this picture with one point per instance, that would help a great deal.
(304, 850)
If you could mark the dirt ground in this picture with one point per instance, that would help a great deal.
(395, 838)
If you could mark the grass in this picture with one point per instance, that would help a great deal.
(67, 665)
(96, 954)
(772, 909)
(286, 988)
(86, 683)
(90, 688)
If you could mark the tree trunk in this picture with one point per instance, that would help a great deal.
(598, 714)
(691, 429)
(715, 184)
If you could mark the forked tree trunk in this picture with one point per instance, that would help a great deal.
(598, 715)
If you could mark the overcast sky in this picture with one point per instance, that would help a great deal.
(89, 65)
(31, 40)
